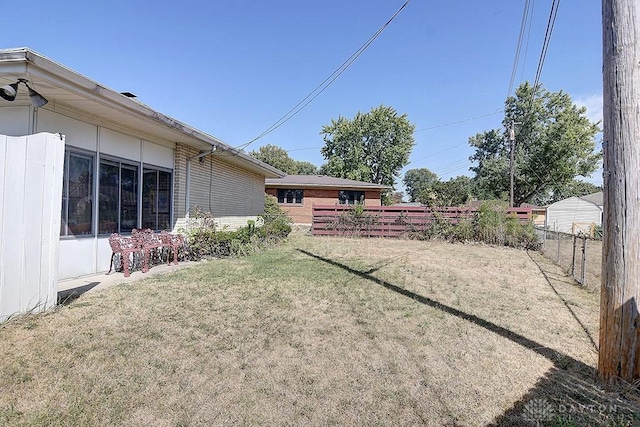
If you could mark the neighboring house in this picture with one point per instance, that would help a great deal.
(297, 194)
(539, 214)
(125, 165)
(575, 214)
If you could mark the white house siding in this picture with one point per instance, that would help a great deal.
(78, 134)
(572, 214)
(81, 256)
(119, 145)
(219, 187)
(14, 121)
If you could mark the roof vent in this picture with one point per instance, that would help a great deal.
(128, 94)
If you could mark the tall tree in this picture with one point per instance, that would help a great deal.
(276, 157)
(306, 168)
(455, 192)
(279, 158)
(419, 184)
(554, 143)
(575, 188)
(371, 147)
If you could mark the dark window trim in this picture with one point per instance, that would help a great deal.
(352, 200)
(157, 169)
(282, 193)
(119, 161)
(93, 156)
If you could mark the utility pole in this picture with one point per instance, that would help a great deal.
(619, 352)
(512, 149)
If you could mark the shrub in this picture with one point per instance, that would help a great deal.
(204, 241)
(354, 221)
(276, 221)
(489, 225)
(496, 228)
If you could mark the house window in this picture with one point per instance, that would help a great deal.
(156, 199)
(290, 196)
(351, 197)
(77, 195)
(118, 200)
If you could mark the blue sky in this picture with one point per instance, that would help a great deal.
(232, 68)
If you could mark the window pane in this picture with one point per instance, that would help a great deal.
(63, 213)
(281, 195)
(150, 199)
(80, 188)
(350, 197)
(164, 200)
(299, 196)
(128, 198)
(108, 199)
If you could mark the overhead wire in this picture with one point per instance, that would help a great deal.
(516, 60)
(553, 13)
(325, 83)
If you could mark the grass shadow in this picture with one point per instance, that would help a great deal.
(68, 296)
(569, 394)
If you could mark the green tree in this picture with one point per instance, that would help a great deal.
(306, 168)
(276, 157)
(554, 140)
(419, 184)
(575, 188)
(455, 192)
(371, 147)
(279, 158)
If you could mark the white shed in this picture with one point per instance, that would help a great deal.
(575, 214)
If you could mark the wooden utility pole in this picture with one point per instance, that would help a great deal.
(619, 353)
(512, 149)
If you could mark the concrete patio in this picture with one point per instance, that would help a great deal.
(73, 288)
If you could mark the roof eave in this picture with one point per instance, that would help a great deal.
(26, 61)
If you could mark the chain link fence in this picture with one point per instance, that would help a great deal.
(579, 255)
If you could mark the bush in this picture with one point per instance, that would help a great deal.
(489, 225)
(496, 228)
(204, 241)
(354, 221)
(276, 221)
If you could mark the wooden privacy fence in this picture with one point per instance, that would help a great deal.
(391, 221)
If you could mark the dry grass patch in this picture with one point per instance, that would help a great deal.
(316, 332)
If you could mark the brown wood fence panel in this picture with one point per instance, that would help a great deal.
(390, 221)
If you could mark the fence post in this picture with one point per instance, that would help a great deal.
(573, 256)
(584, 261)
(558, 254)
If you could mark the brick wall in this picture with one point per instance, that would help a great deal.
(302, 213)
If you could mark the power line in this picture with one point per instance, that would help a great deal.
(325, 83)
(547, 38)
(526, 48)
(516, 60)
(501, 110)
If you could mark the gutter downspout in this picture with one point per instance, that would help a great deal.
(188, 185)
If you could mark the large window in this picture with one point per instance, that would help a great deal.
(77, 195)
(290, 196)
(156, 199)
(351, 197)
(118, 201)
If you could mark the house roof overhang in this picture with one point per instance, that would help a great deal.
(64, 87)
(321, 182)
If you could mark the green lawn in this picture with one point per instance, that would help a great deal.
(320, 332)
